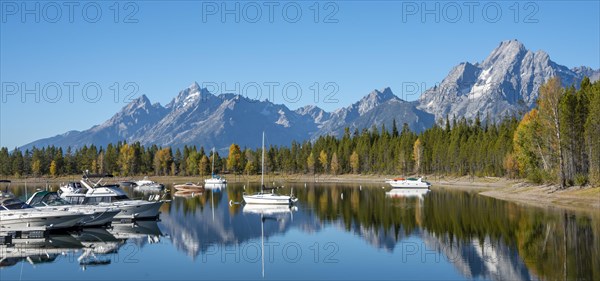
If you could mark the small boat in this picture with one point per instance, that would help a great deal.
(87, 192)
(95, 215)
(147, 185)
(408, 183)
(263, 197)
(215, 181)
(189, 186)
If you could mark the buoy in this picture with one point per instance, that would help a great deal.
(342, 195)
(360, 188)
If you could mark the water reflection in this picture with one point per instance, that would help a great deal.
(89, 246)
(479, 237)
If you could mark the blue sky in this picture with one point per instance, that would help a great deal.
(361, 46)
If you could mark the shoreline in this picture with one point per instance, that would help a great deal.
(518, 191)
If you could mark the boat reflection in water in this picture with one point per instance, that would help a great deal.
(380, 234)
(407, 192)
(89, 246)
(267, 212)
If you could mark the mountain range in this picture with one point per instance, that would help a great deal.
(507, 82)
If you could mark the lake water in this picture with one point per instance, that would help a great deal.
(336, 231)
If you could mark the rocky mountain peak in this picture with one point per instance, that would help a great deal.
(374, 99)
(508, 51)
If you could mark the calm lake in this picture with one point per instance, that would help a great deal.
(335, 231)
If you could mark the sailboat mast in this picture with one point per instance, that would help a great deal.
(262, 174)
(213, 162)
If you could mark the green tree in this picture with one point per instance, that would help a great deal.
(592, 132)
(549, 114)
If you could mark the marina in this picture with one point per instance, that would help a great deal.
(461, 234)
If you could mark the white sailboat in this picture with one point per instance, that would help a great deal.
(215, 181)
(267, 198)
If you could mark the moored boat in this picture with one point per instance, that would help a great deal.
(408, 183)
(87, 192)
(262, 197)
(95, 215)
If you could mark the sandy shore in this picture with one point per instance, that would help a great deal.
(575, 198)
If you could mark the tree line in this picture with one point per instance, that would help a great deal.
(558, 141)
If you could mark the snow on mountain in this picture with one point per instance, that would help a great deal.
(505, 83)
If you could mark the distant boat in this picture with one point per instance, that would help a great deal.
(267, 198)
(147, 185)
(215, 181)
(189, 186)
(408, 183)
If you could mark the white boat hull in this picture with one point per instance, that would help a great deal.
(93, 216)
(268, 198)
(137, 209)
(408, 183)
(25, 220)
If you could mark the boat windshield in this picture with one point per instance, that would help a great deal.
(105, 199)
(13, 204)
(48, 199)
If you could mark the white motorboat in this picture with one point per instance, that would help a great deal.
(87, 192)
(263, 197)
(408, 183)
(16, 215)
(215, 181)
(147, 185)
(95, 215)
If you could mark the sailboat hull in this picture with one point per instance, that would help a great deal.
(268, 198)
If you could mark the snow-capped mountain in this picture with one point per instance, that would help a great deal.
(507, 82)
(197, 117)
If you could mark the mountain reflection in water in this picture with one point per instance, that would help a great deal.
(443, 234)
